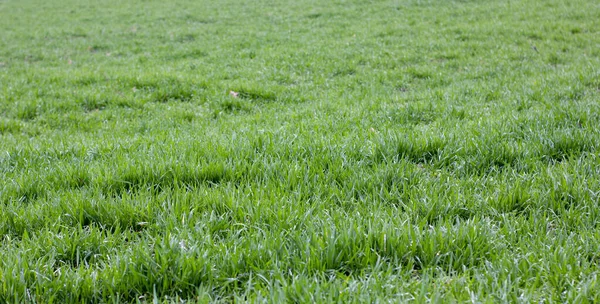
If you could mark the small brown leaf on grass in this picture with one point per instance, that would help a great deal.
(234, 94)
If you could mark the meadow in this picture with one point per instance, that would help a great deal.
(299, 151)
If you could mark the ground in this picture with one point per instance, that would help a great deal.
(299, 151)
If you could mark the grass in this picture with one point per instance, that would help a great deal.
(376, 151)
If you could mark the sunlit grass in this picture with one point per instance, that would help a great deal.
(299, 151)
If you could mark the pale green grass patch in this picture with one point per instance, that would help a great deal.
(442, 151)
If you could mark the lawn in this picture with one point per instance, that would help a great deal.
(299, 151)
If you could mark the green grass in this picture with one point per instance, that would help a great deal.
(393, 150)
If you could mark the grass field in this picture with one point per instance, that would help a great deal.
(299, 151)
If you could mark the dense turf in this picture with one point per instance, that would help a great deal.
(376, 150)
